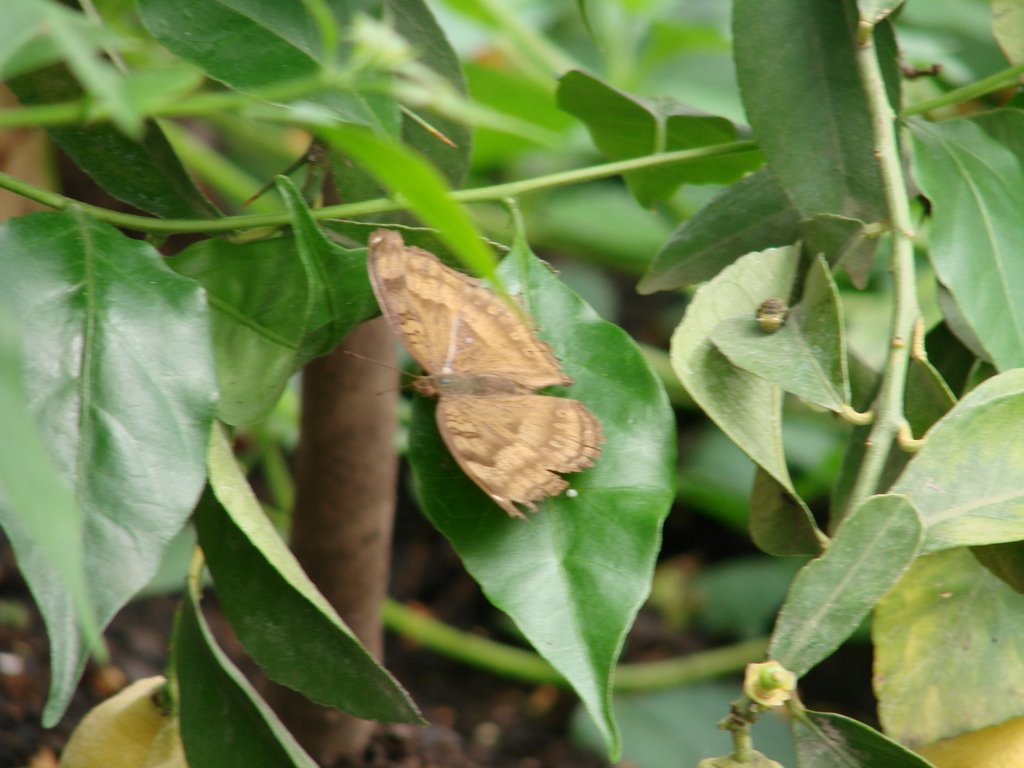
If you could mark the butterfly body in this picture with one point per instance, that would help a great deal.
(484, 364)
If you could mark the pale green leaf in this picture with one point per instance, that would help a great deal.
(949, 650)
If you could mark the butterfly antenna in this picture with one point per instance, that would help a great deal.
(382, 365)
(315, 155)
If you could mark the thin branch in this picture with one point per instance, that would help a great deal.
(526, 666)
(1003, 79)
(368, 207)
(888, 407)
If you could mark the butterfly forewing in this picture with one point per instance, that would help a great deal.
(450, 322)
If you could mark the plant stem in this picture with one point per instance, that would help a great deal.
(523, 665)
(888, 406)
(1002, 79)
(380, 205)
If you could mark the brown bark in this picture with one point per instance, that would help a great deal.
(24, 154)
(341, 527)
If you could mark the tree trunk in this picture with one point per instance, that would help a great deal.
(345, 474)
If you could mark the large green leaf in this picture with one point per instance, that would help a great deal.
(276, 304)
(751, 215)
(624, 126)
(37, 509)
(120, 376)
(573, 576)
(260, 585)
(796, 66)
(224, 721)
(976, 187)
(249, 43)
(966, 481)
(259, 301)
(807, 355)
(833, 594)
(746, 407)
(144, 172)
(828, 740)
(949, 645)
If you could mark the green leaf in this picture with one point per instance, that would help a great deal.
(340, 293)
(751, 215)
(744, 406)
(260, 584)
(843, 242)
(25, 40)
(927, 397)
(414, 21)
(925, 690)
(976, 187)
(624, 126)
(269, 43)
(121, 380)
(277, 303)
(573, 576)
(224, 722)
(806, 355)
(1008, 28)
(38, 512)
(421, 186)
(259, 297)
(966, 481)
(779, 521)
(797, 70)
(827, 740)
(145, 173)
(872, 548)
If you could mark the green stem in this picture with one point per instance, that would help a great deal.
(1002, 79)
(199, 104)
(742, 745)
(368, 207)
(888, 406)
(525, 666)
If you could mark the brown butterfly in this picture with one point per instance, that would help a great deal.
(484, 363)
